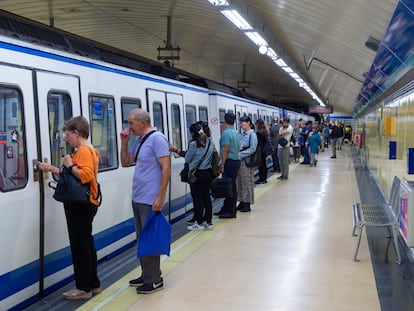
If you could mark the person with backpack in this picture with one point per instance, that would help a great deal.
(245, 177)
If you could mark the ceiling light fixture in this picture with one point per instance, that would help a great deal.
(263, 49)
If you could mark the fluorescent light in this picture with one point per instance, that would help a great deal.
(256, 38)
(287, 69)
(218, 2)
(271, 53)
(294, 75)
(281, 63)
(237, 19)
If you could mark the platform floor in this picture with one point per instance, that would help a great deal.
(293, 252)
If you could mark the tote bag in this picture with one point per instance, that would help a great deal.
(155, 237)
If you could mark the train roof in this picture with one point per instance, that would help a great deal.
(36, 33)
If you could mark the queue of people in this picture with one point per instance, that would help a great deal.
(151, 155)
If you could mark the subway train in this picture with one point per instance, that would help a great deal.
(42, 84)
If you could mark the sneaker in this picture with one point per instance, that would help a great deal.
(148, 288)
(208, 225)
(190, 221)
(195, 227)
(137, 282)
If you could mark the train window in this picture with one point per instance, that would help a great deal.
(222, 112)
(176, 127)
(127, 105)
(103, 130)
(250, 116)
(59, 107)
(13, 167)
(203, 114)
(190, 116)
(254, 118)
(158, 117)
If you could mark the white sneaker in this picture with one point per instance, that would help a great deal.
(195, 227)
(208, 226)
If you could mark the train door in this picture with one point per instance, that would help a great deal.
(157, 107)
(19, 190)
(58, 100)
(180, 192)
(240, 111)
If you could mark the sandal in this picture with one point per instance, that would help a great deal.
(97, 290)
(75, 294)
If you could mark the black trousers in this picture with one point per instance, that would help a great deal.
(79, 219)
(200, 191)
(231, 169)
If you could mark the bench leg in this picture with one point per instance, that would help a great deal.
(359, 233)
(353, 230)
(395, 240)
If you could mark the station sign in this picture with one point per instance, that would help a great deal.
(321, 109)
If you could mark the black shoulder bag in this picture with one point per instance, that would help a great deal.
(190, 177)
(69, 188)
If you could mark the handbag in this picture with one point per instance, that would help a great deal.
(185, 172)
(155, 237)
(69, 188)
(215, 164)
(255, 159)
(190, 177)
(222, 188)
(282, 141)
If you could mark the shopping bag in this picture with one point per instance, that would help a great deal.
(155, 237)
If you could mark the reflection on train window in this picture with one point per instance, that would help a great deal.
(59, 107)
(103, 130)
(190, 117)
(176, 127)
(203, 114)
(158, 117)
(222, 112)
(13, 168)
(127, 105)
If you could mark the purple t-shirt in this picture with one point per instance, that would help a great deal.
(147, 174)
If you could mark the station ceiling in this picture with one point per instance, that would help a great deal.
(323, 40)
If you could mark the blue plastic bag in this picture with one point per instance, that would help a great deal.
(155, 237)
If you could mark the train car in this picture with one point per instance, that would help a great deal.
(41, 87)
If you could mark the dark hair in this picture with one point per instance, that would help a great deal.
(229, 117)
(79, 124)
(198, 134)
(206, 128)
(262, 128)
(245, 119)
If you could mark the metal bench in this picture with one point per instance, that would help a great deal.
(386, 215)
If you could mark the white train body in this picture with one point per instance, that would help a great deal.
(41, 88)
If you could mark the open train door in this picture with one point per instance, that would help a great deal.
(58, 99)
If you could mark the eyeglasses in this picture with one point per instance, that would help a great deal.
(65, 135)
